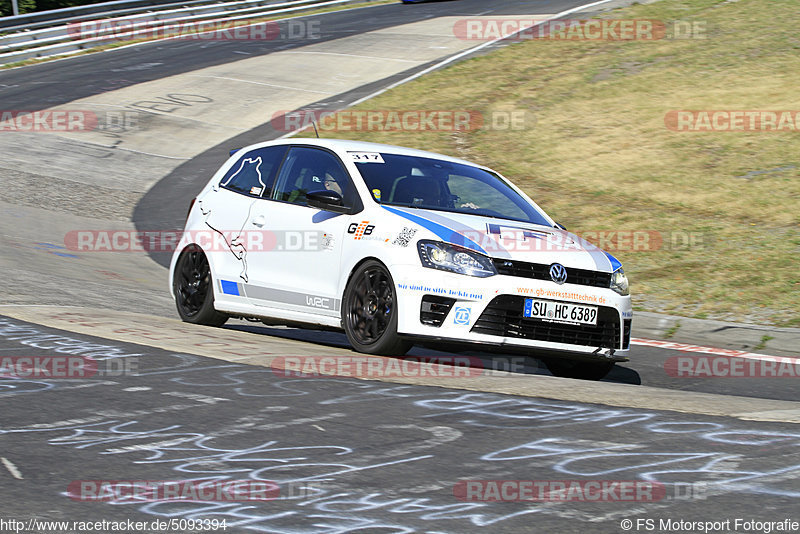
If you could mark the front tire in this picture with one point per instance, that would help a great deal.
(369, 312)
(580, 370)
(193, 286)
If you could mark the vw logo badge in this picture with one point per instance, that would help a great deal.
(558, 273)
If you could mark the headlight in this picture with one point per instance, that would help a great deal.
(455, 259)
(619, 282)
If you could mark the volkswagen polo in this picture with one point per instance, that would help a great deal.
(397, 246)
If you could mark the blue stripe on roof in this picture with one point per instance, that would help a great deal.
(446, 234)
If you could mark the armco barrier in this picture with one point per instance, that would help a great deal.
(57, 38)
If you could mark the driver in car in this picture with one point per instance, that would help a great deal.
(332, 184)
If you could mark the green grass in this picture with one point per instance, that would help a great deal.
(763, 343)
(672, 330)
(600, 157)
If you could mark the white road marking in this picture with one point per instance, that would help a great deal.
(31, 305)
(261, 83)
(11, 468)
(353, 55)
(319, 428)
(116, 147)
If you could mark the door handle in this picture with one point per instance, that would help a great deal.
(259, 221)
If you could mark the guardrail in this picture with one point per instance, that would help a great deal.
(64, 36)
(39, 19)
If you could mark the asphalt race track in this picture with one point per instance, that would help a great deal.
(359, 456)
(176, 402)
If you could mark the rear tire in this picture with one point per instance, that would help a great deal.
(580, 370)
(369, 312)
(193, 286)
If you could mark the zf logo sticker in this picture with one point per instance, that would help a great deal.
(360, 230)
(461, 315)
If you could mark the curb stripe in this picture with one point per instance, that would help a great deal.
(686, 347)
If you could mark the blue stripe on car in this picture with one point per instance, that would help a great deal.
(229, 288)
(446, 234)
(615, 263)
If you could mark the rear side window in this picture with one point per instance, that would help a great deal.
(254, 173)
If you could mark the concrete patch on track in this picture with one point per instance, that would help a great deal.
(38, 265)
(51, 159)
(251, 348)
(74, 192)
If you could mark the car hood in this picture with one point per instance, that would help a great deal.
(511, 240)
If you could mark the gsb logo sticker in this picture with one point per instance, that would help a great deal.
(360, 229)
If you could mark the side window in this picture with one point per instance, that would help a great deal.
(311, 169)
(254, 173)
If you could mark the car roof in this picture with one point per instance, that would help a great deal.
(345, 145)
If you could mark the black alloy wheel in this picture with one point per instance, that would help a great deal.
(193, 285)
(369, 312)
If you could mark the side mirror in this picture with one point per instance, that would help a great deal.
(327, 200)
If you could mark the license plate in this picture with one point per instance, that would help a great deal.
(560, 312)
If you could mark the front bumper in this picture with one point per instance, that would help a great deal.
(488, 311)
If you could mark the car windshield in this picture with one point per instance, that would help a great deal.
(434, 184)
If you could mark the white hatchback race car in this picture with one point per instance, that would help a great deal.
(396, 246)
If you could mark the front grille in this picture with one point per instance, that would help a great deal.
(541, 271)
(503, 317)
(434, 309)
